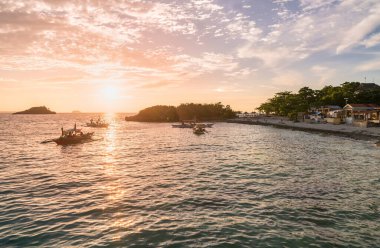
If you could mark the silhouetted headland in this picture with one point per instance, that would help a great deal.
(42, 110)
(188, 111)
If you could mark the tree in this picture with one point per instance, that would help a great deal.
(290, 104)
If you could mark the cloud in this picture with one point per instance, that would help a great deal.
(372, 41)
(309, 5)
(207, 63)
(160, 84)
(143, 44)
(324, 73)
(373, 65)
(360, 30)
(288, 78)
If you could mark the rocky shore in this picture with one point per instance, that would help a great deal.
(372, 133)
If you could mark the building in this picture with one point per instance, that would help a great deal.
(362, 115)
(328, 108)
(247, 115)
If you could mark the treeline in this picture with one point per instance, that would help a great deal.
(187, 111)
(290, 104)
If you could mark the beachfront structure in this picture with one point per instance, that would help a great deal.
(335, 117)
(362, 115)
(313, 117)
(328, 108)
(332, 114)
(247, 115)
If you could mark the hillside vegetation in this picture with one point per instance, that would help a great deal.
(186, 111)
(287, 103)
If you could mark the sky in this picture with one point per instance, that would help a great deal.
(122, 56)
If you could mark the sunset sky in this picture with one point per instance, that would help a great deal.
(122, 56)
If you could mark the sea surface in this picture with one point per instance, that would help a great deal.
(150, 185)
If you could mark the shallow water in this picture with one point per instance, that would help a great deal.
(151, 185)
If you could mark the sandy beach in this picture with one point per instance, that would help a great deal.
(371, 133)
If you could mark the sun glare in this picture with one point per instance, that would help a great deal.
(111, 93)
(110, 98)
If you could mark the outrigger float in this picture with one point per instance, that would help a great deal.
(73, 136)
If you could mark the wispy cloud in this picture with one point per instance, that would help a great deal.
(214, 44)
(373, 65)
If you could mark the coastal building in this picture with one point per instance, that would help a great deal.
(335, 117)
(247, 115)
(328, 108)
(362, 115)
(331, 113)
(313, 117)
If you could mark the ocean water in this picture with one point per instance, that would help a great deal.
(150, 185)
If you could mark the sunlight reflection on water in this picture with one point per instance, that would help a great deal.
(151, 185)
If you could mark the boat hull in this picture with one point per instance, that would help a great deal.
(73, 140)
(182, 126)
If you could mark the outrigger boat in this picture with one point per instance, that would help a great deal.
(198, 129)
(184, 125)
(73, 136)
(192, 125)
(204, 125)
(98, 123)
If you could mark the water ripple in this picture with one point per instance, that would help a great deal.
(148, 185)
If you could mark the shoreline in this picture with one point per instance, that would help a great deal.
(368, 134)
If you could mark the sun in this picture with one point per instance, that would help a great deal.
(111, 93)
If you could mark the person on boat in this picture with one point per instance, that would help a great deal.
(91, 121)
(62, 131)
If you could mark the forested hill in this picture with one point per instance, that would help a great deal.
(36, 110)
(188, 111)
(287, 103)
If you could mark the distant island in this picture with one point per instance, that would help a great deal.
(76, 112)
(42, 110)
(187, 111)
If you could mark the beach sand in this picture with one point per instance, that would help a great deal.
(371, 133)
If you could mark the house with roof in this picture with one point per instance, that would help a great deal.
(328, 108)
(362, 114)
(332, 113)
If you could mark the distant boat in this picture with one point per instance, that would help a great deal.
(192, 124)
(99, 123)
(183, 125)
(199, 129)
(73, 136)
(204, 125)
